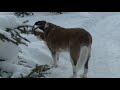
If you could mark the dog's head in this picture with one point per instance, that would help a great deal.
(41, 25)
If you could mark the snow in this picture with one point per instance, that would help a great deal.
(8, 50)
(105, 57)
(8, 21)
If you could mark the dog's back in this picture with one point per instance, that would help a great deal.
(58, 37)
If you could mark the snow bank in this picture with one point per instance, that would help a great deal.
(6, 13)
(8, 51)
(8, 21)
(105, 58)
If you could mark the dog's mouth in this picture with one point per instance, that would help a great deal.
(36, 28)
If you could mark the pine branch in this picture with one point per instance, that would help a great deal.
(16, 35)
(1, 60)
(3, 38)
(17, 39)
(24, 30)
(39, 70)
(22, 37)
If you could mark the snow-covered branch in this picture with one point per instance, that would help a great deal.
(15, 34)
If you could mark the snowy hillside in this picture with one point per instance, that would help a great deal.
(105, 57)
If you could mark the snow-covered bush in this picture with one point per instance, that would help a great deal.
(22, 14)
(12, 64)
(9, 39)
(8, 50)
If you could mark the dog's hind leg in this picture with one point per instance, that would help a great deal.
(81, 61)
(86, 64)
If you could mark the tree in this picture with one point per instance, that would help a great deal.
(15, 34)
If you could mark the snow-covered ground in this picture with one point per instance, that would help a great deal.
(105, 57)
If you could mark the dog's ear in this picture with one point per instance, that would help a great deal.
(41, 24)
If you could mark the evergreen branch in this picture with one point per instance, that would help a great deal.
(3, 37)
(16, 36)
(22, 37)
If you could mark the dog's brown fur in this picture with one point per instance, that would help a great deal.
(59, 38)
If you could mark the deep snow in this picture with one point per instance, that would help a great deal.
(104, 61)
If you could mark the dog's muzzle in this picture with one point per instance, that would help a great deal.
(36, 29)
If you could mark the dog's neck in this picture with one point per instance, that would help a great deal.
(46, 32)
(46, 25)
(49, 26)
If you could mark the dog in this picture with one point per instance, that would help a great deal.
(76, 40)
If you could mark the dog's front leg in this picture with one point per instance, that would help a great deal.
(55, 58)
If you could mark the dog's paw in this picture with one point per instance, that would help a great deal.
(73, 76)
(83, 76)
(55, 66)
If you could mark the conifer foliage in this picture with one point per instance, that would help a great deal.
(22, 14)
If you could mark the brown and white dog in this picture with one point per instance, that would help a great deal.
(77, 40)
